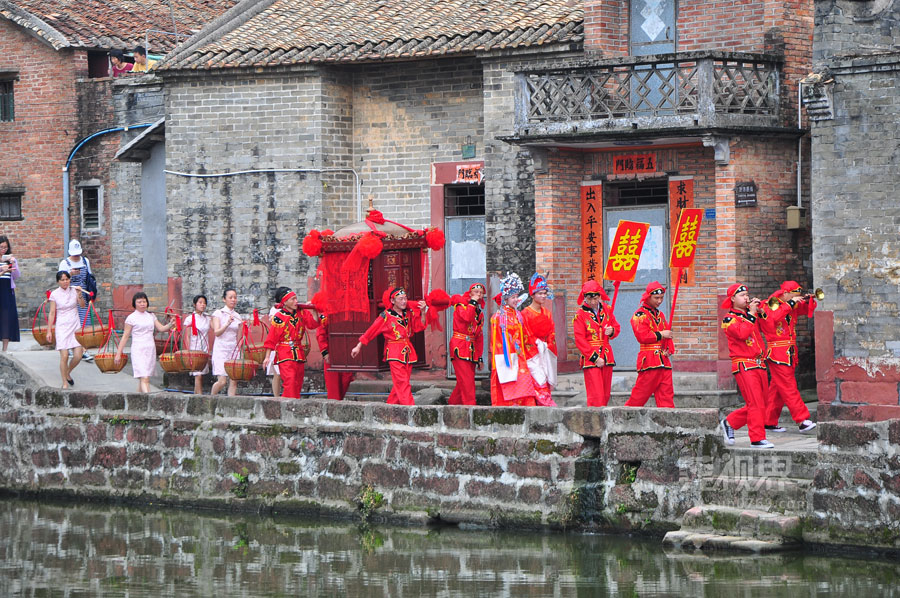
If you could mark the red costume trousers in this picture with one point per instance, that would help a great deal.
(337, 383)
(401, 393)
(754, 386)
(291, 378)
(783, 390)
(464, 391)
(598, 384)
(656, 382)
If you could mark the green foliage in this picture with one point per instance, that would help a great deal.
(368, 501)
(629, 472)
(241, 483)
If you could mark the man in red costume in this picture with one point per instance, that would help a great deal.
(653, 365)
(747, 350)
(467, 342)
(540, 340)
(336, 383)
(779, 328)
(397, 324)
(594, 326)
(284, 343)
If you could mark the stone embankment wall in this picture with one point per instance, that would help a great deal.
(856, 490)
(617, 467)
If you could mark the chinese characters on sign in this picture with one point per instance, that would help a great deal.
(591, 231)
(745, 194)
(625, 251)
(634, 163)
(684, 242)
(681, 197)
(469, 173)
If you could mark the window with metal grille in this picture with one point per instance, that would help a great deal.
(464, 200)
(90, 208)
(7, 103)
(636, 193)
(11, 206)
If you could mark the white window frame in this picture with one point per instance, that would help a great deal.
(91, 185)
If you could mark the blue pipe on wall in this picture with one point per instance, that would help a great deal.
(66, 175)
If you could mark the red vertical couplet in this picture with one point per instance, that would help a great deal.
(625, 253)
(591, 231)
(681, 196)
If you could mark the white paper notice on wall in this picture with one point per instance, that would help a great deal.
(467, 260)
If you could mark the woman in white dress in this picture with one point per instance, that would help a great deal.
(226, 326)
(64, 303)
(200, 341)
(141, 324)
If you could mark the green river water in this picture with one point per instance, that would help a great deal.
(79, 550)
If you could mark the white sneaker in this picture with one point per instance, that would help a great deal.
(807, 425)
(727, 432)
(87, 357)
(762, 444)
(775, 429)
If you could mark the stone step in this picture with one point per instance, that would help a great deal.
(773, 494)
(724, 527)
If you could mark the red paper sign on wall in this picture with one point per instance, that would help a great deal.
(625, 251)
(634, 163)
(591, 231)
(684, 243)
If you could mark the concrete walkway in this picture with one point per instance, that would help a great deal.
(43, 365)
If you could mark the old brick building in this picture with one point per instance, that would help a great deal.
(537, 99)
(853, 101)
(56, 92)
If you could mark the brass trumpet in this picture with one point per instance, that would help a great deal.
(773, 303)
(819, 294)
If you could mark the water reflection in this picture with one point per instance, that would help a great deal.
(79, 550)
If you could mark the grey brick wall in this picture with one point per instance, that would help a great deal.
(245, 230)
(856, 255)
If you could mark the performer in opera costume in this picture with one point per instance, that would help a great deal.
(653, 365)
(511, 382)
(779, 327)
(594, 326)
(336, 383)
(397, 323)
(747, 350)
(540, 340)
(284, 343)
(467, 342)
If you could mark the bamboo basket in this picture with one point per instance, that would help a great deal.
(241, 369)
(192, 360)
(106, 362)
(40, 335)
(91, 337)
(255, 352)
(170, 363)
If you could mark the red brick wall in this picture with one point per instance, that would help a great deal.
(606, 27)
(732, 25)
(34, 145)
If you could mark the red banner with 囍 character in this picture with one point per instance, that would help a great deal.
(684, 243)
(625, 251)
(681, 196)
(591, 231)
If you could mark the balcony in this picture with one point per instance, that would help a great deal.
(661, 94)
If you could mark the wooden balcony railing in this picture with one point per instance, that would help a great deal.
(705, 89)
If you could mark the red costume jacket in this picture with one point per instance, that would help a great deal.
(591, 340)
(397, 330)
(779, 327)
(285, 336)
(322, 334)
(647, 322)
(538, 324)
(745, 342)
(467, 342)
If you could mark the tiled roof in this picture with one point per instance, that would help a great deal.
(111, 24)
(282, 32)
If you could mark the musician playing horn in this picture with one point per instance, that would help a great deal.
(778, 321)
